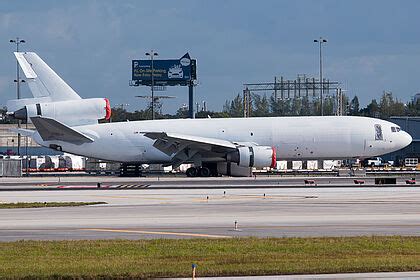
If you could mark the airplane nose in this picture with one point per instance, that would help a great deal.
(405, 139)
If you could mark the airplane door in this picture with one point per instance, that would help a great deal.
(377, 143)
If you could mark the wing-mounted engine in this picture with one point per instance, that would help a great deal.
(240, 162)
(254, 156)
(69, 112)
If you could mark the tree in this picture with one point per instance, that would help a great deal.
(182, 112)
(279, 107)
(306, 108)
(390, 107)
(119, 114)
(316, 107)
(371, 110)
(413, 108)
(329, 106)
(346, 105)
(261, 107)
(295, 107)
(354, 106)
(211, 114)
(234, 108)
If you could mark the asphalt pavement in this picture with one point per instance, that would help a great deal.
(191, 213)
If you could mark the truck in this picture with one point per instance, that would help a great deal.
(375, 161)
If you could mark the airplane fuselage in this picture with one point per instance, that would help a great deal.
(329, 137)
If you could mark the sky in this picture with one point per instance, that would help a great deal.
(372, 45)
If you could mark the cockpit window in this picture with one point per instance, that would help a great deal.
(398, 129)
(393, 129)
(378, 132)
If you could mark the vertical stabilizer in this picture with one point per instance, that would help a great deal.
(42, 80)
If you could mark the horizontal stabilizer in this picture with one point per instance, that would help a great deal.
(23, 132)
(50, 130)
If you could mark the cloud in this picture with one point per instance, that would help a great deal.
(6, 21)
(91, 43)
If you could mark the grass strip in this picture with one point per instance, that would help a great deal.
(46, 204)
(140, 259)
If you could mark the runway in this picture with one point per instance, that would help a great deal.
(194, 213)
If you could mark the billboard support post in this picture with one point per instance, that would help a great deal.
(153, 91)
(152, 54)
(191, 100)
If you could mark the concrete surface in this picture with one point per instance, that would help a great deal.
(107, 182)
(187, 213)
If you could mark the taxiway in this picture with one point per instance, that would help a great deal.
(191, 213)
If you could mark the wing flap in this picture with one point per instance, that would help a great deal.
(50, 130)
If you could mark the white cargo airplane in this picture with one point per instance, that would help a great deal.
(66, 122)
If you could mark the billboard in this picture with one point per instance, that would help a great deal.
(165, 72)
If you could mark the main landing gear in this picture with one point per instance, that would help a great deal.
(202, 171)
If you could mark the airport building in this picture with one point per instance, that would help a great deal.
(9, 143)
(412, 126)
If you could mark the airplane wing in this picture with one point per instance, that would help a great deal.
(50, 130)
(185, 147)
(170, 143)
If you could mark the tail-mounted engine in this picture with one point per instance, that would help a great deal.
(71, 112)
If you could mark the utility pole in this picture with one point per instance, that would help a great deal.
(247, 102)
(152, 54)
(321, 41)
(17, 42)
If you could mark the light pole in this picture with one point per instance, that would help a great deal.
(152, 54)
(321, 41)
(17, 42)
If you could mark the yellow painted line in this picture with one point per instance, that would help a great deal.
(158, 232)
(43, 185)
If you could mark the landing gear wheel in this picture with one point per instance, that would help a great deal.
(204, 172)
(191, 172)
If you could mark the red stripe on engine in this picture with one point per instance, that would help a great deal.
(107, 109)
(274, 158)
